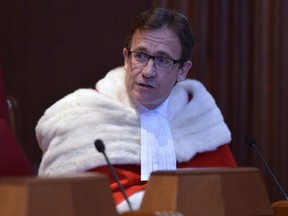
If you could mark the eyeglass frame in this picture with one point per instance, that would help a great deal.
(155, 57)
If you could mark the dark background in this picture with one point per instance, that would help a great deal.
(51, 48)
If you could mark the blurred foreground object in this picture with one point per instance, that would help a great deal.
(84, 194)
(211, 191)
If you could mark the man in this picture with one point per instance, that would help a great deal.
(147, 114)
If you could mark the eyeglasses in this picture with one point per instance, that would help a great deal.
(141, 59)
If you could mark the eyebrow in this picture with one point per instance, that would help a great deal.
(160, 53)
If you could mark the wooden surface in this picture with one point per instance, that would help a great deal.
(83, 195)
(280, 208)
(219, 192)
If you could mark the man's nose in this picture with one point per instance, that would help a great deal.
(149, 70)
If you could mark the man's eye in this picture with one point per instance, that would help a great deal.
(162, 60)
(140, 55)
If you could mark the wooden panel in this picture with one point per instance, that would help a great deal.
(86, 194)
(219, 192)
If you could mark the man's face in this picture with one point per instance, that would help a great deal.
(148, 85)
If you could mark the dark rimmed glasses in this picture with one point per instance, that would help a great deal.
(141, 59)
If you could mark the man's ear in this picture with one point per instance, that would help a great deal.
(126, 58)
(183, 71)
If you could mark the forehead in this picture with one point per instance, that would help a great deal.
(163, 41)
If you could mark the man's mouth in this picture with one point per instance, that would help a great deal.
(145, 85)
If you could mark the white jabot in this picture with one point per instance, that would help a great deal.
(157, 146)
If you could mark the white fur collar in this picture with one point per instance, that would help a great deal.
(68, 129)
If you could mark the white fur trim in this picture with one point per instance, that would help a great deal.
(68, 129)
(197, 126)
